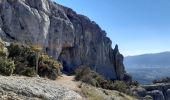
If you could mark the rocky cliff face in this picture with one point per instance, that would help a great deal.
(72, 38)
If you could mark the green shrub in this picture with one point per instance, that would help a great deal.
(3, 53)
(6, 66)
(120, 86)
(3, 49)
(48, 67)
(85, 74)
(81, 72)
(23, 69)
(25, 60)
(14, 50)
(29, 72)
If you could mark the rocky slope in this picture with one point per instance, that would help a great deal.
(159, 91)
(24, 88)
(72, 38)
(89, 92)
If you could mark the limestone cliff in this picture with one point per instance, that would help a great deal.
(65, 35)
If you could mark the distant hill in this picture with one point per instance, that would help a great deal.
(147, 67)
(148, 60)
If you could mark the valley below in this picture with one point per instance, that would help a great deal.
(148, 67)
(145, 75)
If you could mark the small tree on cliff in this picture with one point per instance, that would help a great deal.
(37, 49)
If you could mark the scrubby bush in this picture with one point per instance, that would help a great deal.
(81, 72)
(85, 74)
(3, 49)
(22, 53)
(120, 86)
(25, 61)
(48, 67)
(14, 50)
(6, 66)
(29, 72)
(23, 69)
(3, 53)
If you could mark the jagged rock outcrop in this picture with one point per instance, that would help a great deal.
(118, 63)
(72, 38)
(168, 94)
(159, 91)
(156, 95)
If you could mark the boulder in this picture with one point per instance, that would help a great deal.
(156, 95)
(167, 94)
(158, 89)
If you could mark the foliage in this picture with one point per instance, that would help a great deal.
(48, 67)
(25, 61)
(36, 48)
(93, 93)
(22, 53)
(85, 74)
(3, 49)
(6, 66)
(29, 72)
(120, 86)
(23, 69)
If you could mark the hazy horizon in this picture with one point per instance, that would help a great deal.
(137, 26)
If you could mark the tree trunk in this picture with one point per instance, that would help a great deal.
(37, 58)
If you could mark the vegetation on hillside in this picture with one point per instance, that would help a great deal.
(93, 93)
(21, 60)
(7, 66)
(86, 75)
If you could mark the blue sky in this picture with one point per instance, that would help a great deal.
(137, 26)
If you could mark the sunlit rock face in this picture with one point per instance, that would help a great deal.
(72, 38)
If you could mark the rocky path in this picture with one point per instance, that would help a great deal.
(69, 82)
(63, 88)
(25, 88)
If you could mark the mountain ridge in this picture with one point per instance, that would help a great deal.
(148, 54)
